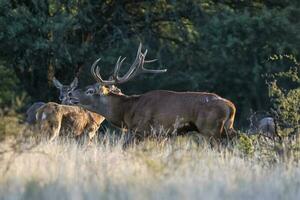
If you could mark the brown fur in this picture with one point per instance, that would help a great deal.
(153, 111)
(208, 113)
(53, 118)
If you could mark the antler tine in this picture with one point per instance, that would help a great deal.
(146, 61)
(95, 71)
(153, 71)
(150, 61)
(141, 69)
(136, 61)
(132, 67)
(139, 50)
(103, 82)
(145, 53)
(137, 67)
(117, 63)
(122, 61)
(117, 67)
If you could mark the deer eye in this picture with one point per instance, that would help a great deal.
(90, 91)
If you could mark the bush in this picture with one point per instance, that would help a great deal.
(284, 91)
(12, 97)
(206, 46)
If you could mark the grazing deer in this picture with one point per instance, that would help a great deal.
(262, 123)
(264, 126)
(55, 119)
(206, 113)
(267, 127)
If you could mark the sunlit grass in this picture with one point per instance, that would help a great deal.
(170, 169)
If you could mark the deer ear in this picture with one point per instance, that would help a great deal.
(56, 83)
(74, 83)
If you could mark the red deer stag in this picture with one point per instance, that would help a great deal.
(55, 119)
(206, 113)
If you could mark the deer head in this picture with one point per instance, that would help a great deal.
(65, 90)
(89, 97)
(97, 97)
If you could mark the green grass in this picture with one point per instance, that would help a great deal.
(173, 169)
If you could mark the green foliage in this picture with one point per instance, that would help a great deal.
(245, 145)
(12, 98)
(10, 126)
(208, 45)
(284, 91)
(236, 46)
(8, 84)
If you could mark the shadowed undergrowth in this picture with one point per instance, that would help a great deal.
(170, 169)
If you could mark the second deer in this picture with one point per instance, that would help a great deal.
(55, 119)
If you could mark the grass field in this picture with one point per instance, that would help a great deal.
(174, 169)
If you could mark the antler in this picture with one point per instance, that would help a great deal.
(136, 68)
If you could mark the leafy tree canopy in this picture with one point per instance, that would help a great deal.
(207, 45)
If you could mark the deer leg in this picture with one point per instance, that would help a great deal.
(49, 128)
(79, 132)
(211, 130)
(80, 136)
(128, 140)
(91, 134)
(54, 130)
(131, 139)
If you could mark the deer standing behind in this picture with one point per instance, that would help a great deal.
(55, 119)
(31, 113)
(206, 113)
(262, 123)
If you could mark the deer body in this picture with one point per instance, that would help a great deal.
(62, 119)
(31, 112)
(267, 126)
(207, 113)
(55, 118)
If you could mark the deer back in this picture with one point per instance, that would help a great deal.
(31, 112)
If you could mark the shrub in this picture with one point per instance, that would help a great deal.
(284, 91)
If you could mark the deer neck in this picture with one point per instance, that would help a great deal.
(117, 105)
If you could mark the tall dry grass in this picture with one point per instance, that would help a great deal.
(173, 169)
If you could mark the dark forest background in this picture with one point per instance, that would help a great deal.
(216, 46)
